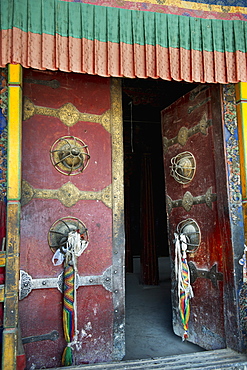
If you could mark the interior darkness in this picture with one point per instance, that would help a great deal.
(143, 101)
(149, 331)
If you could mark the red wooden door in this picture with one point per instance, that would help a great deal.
(70, 155)
(195, 185)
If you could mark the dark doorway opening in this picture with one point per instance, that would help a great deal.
(148, 304)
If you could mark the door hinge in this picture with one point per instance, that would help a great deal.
(27, 283)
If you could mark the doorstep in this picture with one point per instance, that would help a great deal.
(208, 360)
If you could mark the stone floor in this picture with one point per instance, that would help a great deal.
(150, 341)
(148, 318)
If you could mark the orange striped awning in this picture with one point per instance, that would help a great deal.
(111, 41)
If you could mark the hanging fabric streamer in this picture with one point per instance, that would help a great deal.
(68, 314)
(182, 273)
(68, 255)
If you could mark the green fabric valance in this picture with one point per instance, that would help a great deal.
(72, 36)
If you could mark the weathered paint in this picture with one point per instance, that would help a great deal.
(241, 107)
(14, 132)
(8, 361)
(241, 96)
(13, 217)
(9, 349)
(100, 312)
(234, 297)
(12, 266)
(2, 259)
(202, 105)
(3, 132)
(1, 293)
(14, 74)
(118, 257)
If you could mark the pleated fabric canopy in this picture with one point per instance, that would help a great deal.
(115, 41)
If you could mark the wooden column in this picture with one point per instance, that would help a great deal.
(13, 217)
(241, 100)
(128, 159)
(149, 260)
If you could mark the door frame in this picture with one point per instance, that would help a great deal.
(236, 335)
(234, 124)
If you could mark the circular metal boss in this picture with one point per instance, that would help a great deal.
(58, 233)
(69, 155)
(183, 167)
(191, 230)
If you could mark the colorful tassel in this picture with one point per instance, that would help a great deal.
(185, 295)
(67, 255)
(185, 292)
(68, 313)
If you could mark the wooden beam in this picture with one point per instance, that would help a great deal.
(241, 100)
(10, 322)
(14, 132)
(1, 292)
(9, 349)
(2, 259)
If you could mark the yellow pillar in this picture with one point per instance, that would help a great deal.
(241, 100)
(13, 217)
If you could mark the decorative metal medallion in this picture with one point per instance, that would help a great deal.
(58, 233)
(185, 133)
(68, 194)
(25, 284)
(69, 155)
(183, 167)
(188, 201)
(68, 113)
(191, 230)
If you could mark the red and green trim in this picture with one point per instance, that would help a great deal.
(111, 41)
(211, 9)
(108, 24)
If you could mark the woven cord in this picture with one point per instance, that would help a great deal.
(73, 250)
(185, 292)
(68, 314)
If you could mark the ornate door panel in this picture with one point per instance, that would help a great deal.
(72, 164)
(195, 185)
